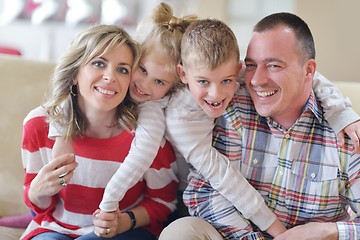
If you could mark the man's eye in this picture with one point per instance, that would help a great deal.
(250, 66)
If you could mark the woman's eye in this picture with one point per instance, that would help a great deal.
(123, 70)
(98, 64)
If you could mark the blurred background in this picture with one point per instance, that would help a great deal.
(42, 29)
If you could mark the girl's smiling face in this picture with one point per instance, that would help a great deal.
(152, 80)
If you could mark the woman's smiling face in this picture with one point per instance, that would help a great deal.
(104, 81)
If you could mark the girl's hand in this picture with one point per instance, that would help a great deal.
(110, 224)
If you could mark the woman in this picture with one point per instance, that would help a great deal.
(89, 98)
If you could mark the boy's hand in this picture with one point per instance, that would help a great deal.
(353, 131)
(311, 231)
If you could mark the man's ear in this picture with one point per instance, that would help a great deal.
(181, 72)
(310, 68)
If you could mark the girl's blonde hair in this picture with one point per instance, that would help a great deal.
(162, 33)
(61, 105)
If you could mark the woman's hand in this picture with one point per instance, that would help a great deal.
(51, 179)
(109, 224)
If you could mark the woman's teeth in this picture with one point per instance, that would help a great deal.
(104, 91)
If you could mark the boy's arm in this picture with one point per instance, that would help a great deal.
(149, 134)
(190, 132)
(337, 110)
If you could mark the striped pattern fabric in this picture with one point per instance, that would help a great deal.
(189, 129)
(72, 208)
(302, 173)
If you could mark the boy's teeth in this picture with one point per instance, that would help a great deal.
(215, 104)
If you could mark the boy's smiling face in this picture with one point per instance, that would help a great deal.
(212, 89)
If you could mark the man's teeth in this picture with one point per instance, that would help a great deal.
(265, 94)
(104, 91)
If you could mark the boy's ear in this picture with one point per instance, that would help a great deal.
(181, 72)
(240, 67)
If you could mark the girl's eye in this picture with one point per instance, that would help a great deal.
(142, 70)
(123, 70)
(157, 81)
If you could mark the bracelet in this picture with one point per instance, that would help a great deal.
(132, 218)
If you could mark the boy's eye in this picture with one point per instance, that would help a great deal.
(157, 81)
(203, 82)
(227, 81)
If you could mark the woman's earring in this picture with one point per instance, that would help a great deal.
(74, 90)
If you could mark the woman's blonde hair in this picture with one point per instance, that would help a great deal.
(61, 105)
(163, 33)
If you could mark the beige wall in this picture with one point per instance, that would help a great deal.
(336, 30)
(334, 24)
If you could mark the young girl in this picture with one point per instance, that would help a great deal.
(153, 80)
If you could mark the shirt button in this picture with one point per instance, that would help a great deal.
(281, 173)
(255, 161)
(313, 175)
(287, 136)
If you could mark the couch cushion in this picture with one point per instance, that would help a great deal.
(23, 84)
(351, 90)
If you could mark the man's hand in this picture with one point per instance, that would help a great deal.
(353, 131)
(311, 231)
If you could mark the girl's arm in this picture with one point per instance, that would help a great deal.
(144, 147)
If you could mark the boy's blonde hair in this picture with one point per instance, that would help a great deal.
(61, 105)
(208, 43)
(163, 33)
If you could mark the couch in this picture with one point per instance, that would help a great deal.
(24, 83)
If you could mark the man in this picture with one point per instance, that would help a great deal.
(275, 133)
